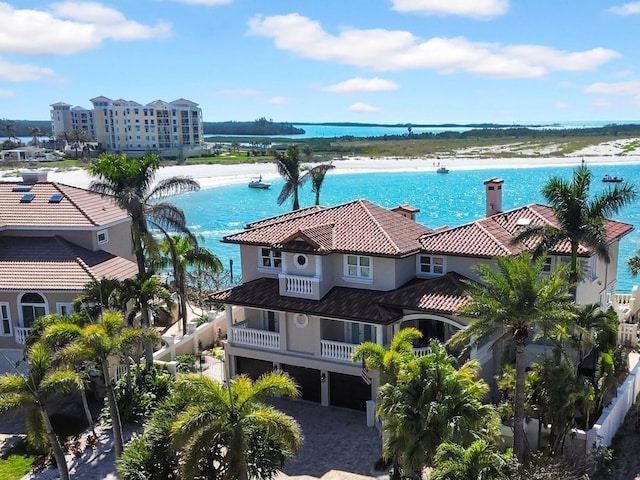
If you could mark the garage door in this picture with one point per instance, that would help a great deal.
(252, 368)
(308, 379)
(348, 391)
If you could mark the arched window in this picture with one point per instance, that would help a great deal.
(32, 307)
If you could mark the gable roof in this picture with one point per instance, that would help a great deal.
(77, 208)
(491, 236)
(52, 263)
(355, 227)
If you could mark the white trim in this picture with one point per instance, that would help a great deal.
(358, 277)
(300, 320)
(21, 304)
(432, 265)
(272, 259)
(297, 264)
(105, 233)
(6, 307)
(64, 305)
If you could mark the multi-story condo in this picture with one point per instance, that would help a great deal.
(319, 281)
(54, 239)
(127, 126)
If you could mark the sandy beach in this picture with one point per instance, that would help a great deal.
(214, 175)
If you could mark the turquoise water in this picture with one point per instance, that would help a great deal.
(450, 200)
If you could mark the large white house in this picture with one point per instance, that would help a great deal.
(128, 126)
(319, 281)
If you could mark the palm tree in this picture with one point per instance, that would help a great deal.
(430, 403)
(514, 299)
(184, 253)
(98, 296)
(288, 164)
(317, 178)
(36, 133)
(32, 392)
(581, 217)
(479, 461)
(235, 421)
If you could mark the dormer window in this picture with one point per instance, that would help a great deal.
(431, 265)
(358, 267)
(270, 258)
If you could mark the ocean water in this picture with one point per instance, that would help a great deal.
(451, 199)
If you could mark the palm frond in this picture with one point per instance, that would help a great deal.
(173, 186)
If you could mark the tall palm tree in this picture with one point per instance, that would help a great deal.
(317, 178)
(233, 419)
(581, 217)
(432, 402)
(36, 133)
(181, 253)
(289, 168)
(514, 299)
(33, 391)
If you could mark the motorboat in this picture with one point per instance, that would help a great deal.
(259, 184)
(442, 170)
(609, 179)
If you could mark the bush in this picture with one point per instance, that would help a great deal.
(186, 363)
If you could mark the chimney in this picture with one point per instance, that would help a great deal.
(493, 191)
(34, 176)
(407, 211)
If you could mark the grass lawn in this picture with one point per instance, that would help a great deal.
(16, 463)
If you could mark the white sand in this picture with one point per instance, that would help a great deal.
(609, 153)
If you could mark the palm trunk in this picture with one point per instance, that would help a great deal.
(183, 304)
(87, 411)
(518, 410)
(55, 445)
(238, 469)
(118, 441)
(296, 201)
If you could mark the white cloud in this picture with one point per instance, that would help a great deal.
(278, 100)
(625, 89)
(363, 107)
(7, 93)
(396, 50)
(248, 92)
(23, 72)
(562, 105)
(632, 8)
(359, 85)
(466, 8)
(68, 28)
(206, 3)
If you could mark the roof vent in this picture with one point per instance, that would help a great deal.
(27, 198)
(21, 187)
(56, 198)
(34, 176)
(523, 222)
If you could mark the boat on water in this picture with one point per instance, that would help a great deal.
(609, 179)
(259, 184)
(442, 170)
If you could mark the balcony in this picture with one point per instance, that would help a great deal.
(299, 286)
(21, 334)
(339, 351)
(256, 338)
(421, 351)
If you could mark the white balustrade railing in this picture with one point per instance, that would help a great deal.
(628, 334)
(256, 338)
(300, 285)
(336, 350)
(21, 334)
(421, 351)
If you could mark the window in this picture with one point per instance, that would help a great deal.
(64, 309)
(357, 266)
(32, 307)
(270, 258)
(5, 320)
(103, 237)
(300, 260)
(594, 261)
(431, 264)
(271, 321)
(546, 268)
(356, 333)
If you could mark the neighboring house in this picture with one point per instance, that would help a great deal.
(319, 281)
(171, 128)
(54, 239)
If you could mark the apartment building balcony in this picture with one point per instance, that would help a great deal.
(337, 351)
(21, 334)
(299, 286)
(255, 338)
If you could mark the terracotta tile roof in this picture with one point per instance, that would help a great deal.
(77, 208)
(491, 236)
(52, 263)
(355, 227)
(438, 295)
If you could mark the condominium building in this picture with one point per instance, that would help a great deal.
(128, 126)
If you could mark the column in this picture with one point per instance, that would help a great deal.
(228, 310)
(319, 266)
(379, 335)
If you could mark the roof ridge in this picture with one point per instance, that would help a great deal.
(66, 245)
(492, 236)
(74, 203)
(361, 202)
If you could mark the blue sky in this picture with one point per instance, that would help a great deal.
(377, 61)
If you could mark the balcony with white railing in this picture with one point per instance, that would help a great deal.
(299, 286)
(421, 351)
(339, 351)
(21, 334)
(255, 338)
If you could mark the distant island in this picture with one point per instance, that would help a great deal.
(261, 126)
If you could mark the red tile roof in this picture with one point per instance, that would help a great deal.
(52, 263)
(443, 295)
(355, 227)
(77, 208)
(491, 236)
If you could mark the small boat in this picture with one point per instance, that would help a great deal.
(259, 184)
(609, 179)
(442, 170)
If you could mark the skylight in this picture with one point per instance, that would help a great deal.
(27, 198)
(523, 222)
(57, 198)
(22, 188)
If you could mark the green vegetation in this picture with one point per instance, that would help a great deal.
(261, 126)
(18, 461)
